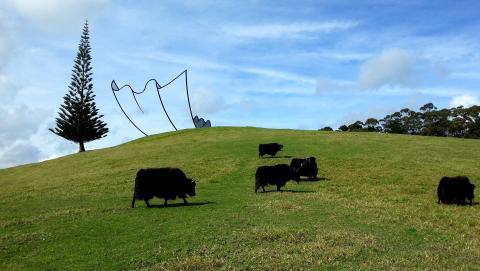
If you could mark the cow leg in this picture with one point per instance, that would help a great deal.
(165, 202)
(133, 201)
(185, 201)
(146, 202)
(278, 188)
(263, 188)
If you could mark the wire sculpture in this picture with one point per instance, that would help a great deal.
(197, 122)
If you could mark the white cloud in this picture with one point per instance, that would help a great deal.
(51, 145)
(465, 100)
(6, 44)
(8, 89)
(24, 137)
(19, 123)
(8, 39)
(392, 67)
(19, 153)
(57, 15)
(276, 31)
(206, 101)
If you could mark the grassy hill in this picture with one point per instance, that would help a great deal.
(375, 209)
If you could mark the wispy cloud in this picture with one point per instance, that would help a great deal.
(341, 56)
(474, 75)
(327, 85)
(447, 49)
(189, 61)
(275, 74)
(290, 30)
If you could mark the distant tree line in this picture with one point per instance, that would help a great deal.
(428, 121)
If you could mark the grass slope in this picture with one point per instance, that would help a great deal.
(376, 209)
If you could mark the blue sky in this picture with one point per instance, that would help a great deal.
(278, 64)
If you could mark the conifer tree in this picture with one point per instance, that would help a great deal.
(78, 118)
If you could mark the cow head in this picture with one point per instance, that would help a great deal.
(190, 187)
(444, 179)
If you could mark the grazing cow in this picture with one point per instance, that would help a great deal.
(455, 190)
(167, 183)
(275, 175)
(270, 149)
(305, 167)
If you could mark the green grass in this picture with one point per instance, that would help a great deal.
(376, 209)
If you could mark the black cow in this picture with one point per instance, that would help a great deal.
(167, 183)
(277, 175)
(455, 190)
(270, 149)
(305, 167)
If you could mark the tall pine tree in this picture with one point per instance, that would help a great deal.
(78, 118)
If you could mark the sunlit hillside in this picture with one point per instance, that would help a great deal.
(373, 206)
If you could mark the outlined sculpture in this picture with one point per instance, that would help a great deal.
(197, 122)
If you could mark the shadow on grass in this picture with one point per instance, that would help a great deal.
(315, 179)
(179, 204)
(454, 204)
(286, 190)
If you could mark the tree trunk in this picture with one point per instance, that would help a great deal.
(82, 147)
